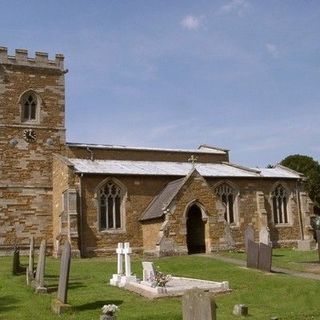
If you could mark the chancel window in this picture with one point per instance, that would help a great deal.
(279, 205)
(29, 103)
(110, 198)
(227, 196)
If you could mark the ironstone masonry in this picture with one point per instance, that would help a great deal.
(98, 195)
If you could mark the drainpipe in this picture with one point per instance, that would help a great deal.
(299, 209)
(80, 213)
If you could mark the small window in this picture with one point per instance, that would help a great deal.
(227, 196)
(110, 203)
(29, 106)
(279, 205)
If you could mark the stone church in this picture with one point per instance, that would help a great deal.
(163, 201)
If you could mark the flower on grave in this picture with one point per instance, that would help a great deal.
(109, 309)
(160, 279)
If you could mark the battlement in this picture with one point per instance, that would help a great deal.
(40, 60)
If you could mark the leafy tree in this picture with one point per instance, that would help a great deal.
(311, 169)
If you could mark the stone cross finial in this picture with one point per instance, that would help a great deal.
(193, 159)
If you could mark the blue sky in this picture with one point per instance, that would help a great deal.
(237, 74)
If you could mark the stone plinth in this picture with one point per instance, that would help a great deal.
(59, 308)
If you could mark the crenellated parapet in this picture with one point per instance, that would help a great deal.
(40, 60)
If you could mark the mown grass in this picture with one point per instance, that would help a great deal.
(265, 294)
(305, 261)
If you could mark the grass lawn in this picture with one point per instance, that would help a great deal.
(265, 294)
(306, 261)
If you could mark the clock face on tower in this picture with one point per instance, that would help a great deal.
(29, 135)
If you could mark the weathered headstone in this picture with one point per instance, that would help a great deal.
(248, 235)
(39, 279)
(228, 238)
(60, 305)
(264, 235)
(16, 261)
(318, 241)
(30, 268)
(240, 310)
(198, 305)
(265, 257)
(252, 255)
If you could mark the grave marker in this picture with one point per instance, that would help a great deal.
(265, 257)
(248, 235)
(264, 236)
(252, 255)
(30, 268)
(149, 271)
(318, 241)
(60, 305)
(39, 279)
(198, 305)
(16, 269)
(230, 243)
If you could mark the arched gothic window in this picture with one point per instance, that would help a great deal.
(279, 204)
(110, 205)
(227, 196)
(29, 105)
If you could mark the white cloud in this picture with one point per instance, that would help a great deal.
(272, 49)
(236, 6)
(191, 22)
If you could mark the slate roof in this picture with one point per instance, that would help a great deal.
(156, 208)
(166, 168)
(201, 149)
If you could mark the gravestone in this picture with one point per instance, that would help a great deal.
(265, 257)
(198, 305)
(318, 241)
(248, 235)
(39, 279)
(240, 310)
(60, 305)
(228, 238)
(30, 268)
(121, 279)
(252, 255)
(16, 261)
(264, 235)
(149, 271)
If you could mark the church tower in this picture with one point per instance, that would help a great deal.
(32, 128)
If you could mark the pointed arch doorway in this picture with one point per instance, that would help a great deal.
(195, 230)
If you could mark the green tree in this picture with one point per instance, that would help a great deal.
(311, 169)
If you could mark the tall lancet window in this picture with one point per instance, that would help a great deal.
(29, 105)
(227, 196)
(279, 205)
(110, 199)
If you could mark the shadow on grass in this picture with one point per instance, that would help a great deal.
(278, 255)
(97, 305)
(7, 303)
(72, 285)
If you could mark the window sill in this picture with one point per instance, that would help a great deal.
(283, 225)
(112, 231)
